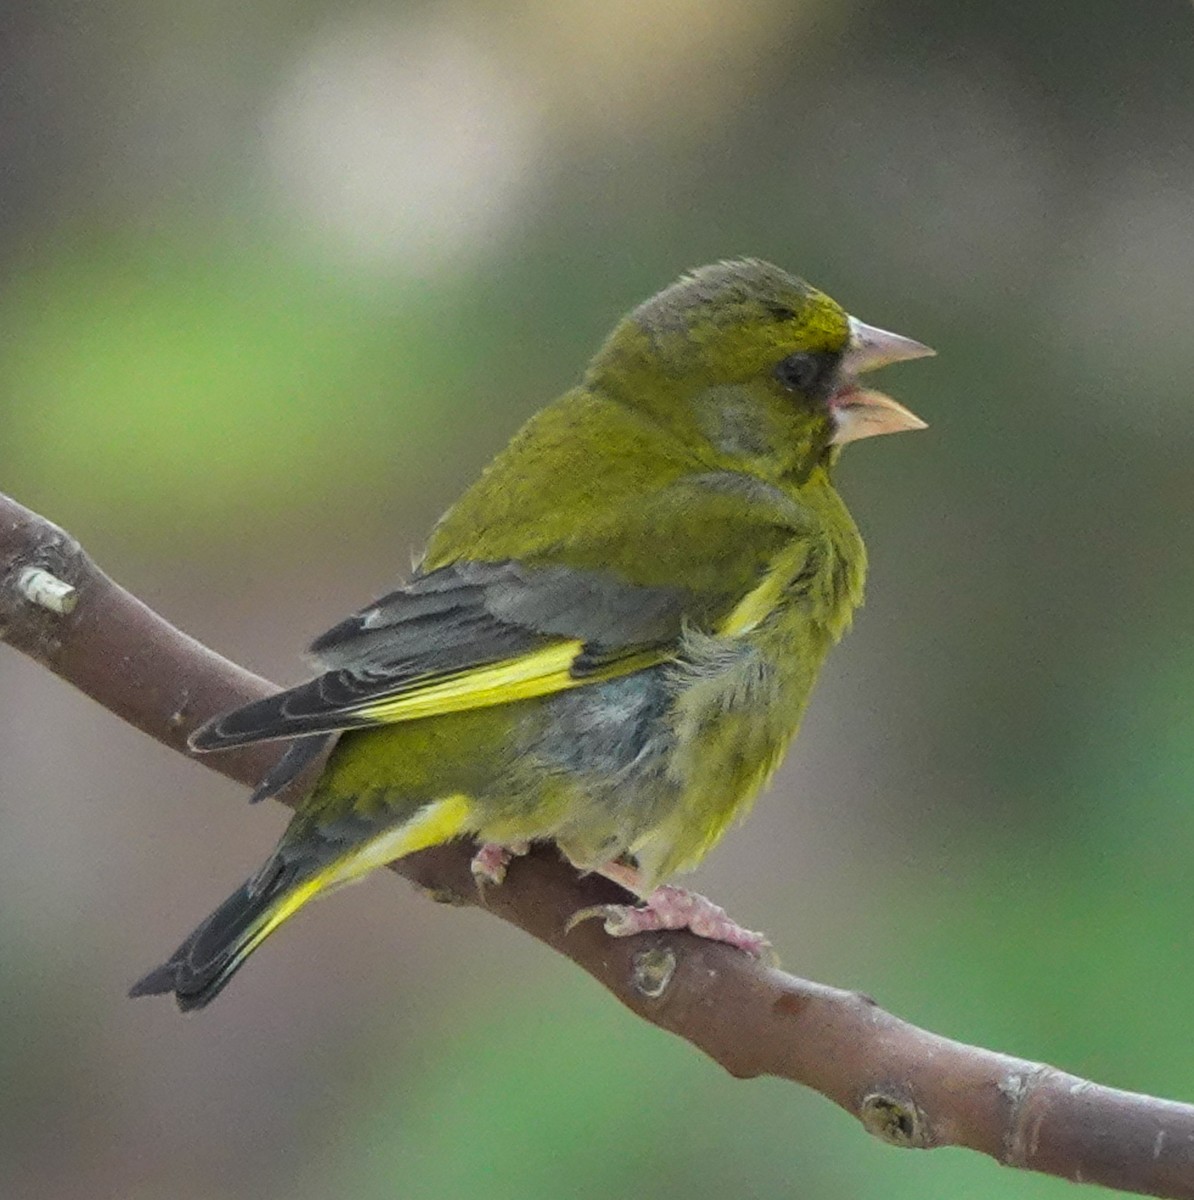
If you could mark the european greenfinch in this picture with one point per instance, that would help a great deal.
(612, 636)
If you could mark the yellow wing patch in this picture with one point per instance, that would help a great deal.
(534, 674)
(539, 673)
(761, 601)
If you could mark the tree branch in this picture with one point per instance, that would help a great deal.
(906, 1085)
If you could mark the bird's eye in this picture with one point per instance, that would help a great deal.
(806, 372)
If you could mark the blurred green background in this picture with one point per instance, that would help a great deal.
(278, 278)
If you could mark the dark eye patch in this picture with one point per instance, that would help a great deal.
(809, 372)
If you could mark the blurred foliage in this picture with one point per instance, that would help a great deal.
(226, 378)
(276, 282)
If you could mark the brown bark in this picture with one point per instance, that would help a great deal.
(906, 1085)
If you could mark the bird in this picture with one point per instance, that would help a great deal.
(610, 639)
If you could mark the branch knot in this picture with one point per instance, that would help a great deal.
(895, 1120)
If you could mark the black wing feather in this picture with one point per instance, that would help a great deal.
(299, 755)
(452, 620)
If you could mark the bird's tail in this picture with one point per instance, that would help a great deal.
(298, 871)
(201, 967)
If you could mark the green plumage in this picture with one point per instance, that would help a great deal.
(669, 532)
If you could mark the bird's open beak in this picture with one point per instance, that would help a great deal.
(860, 412)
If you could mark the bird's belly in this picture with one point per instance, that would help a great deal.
(737, 707)
(661, 762)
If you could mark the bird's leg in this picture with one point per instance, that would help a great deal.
(668, 908)
(625, 874)
(491, 860)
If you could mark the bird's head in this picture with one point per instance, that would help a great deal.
(757, 363)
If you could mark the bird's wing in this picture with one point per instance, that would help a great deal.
(465, 636)
(471, 634)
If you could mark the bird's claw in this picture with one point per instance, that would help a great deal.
(674, 908)
(491, 860)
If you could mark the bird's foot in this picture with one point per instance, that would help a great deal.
(491, 860)
(675, 908)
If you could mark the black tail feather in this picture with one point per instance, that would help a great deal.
(202, 966)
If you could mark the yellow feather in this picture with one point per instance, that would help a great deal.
(290, 903)
(434, 823)
(539, 673)
(761, 601)
(536, 674)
